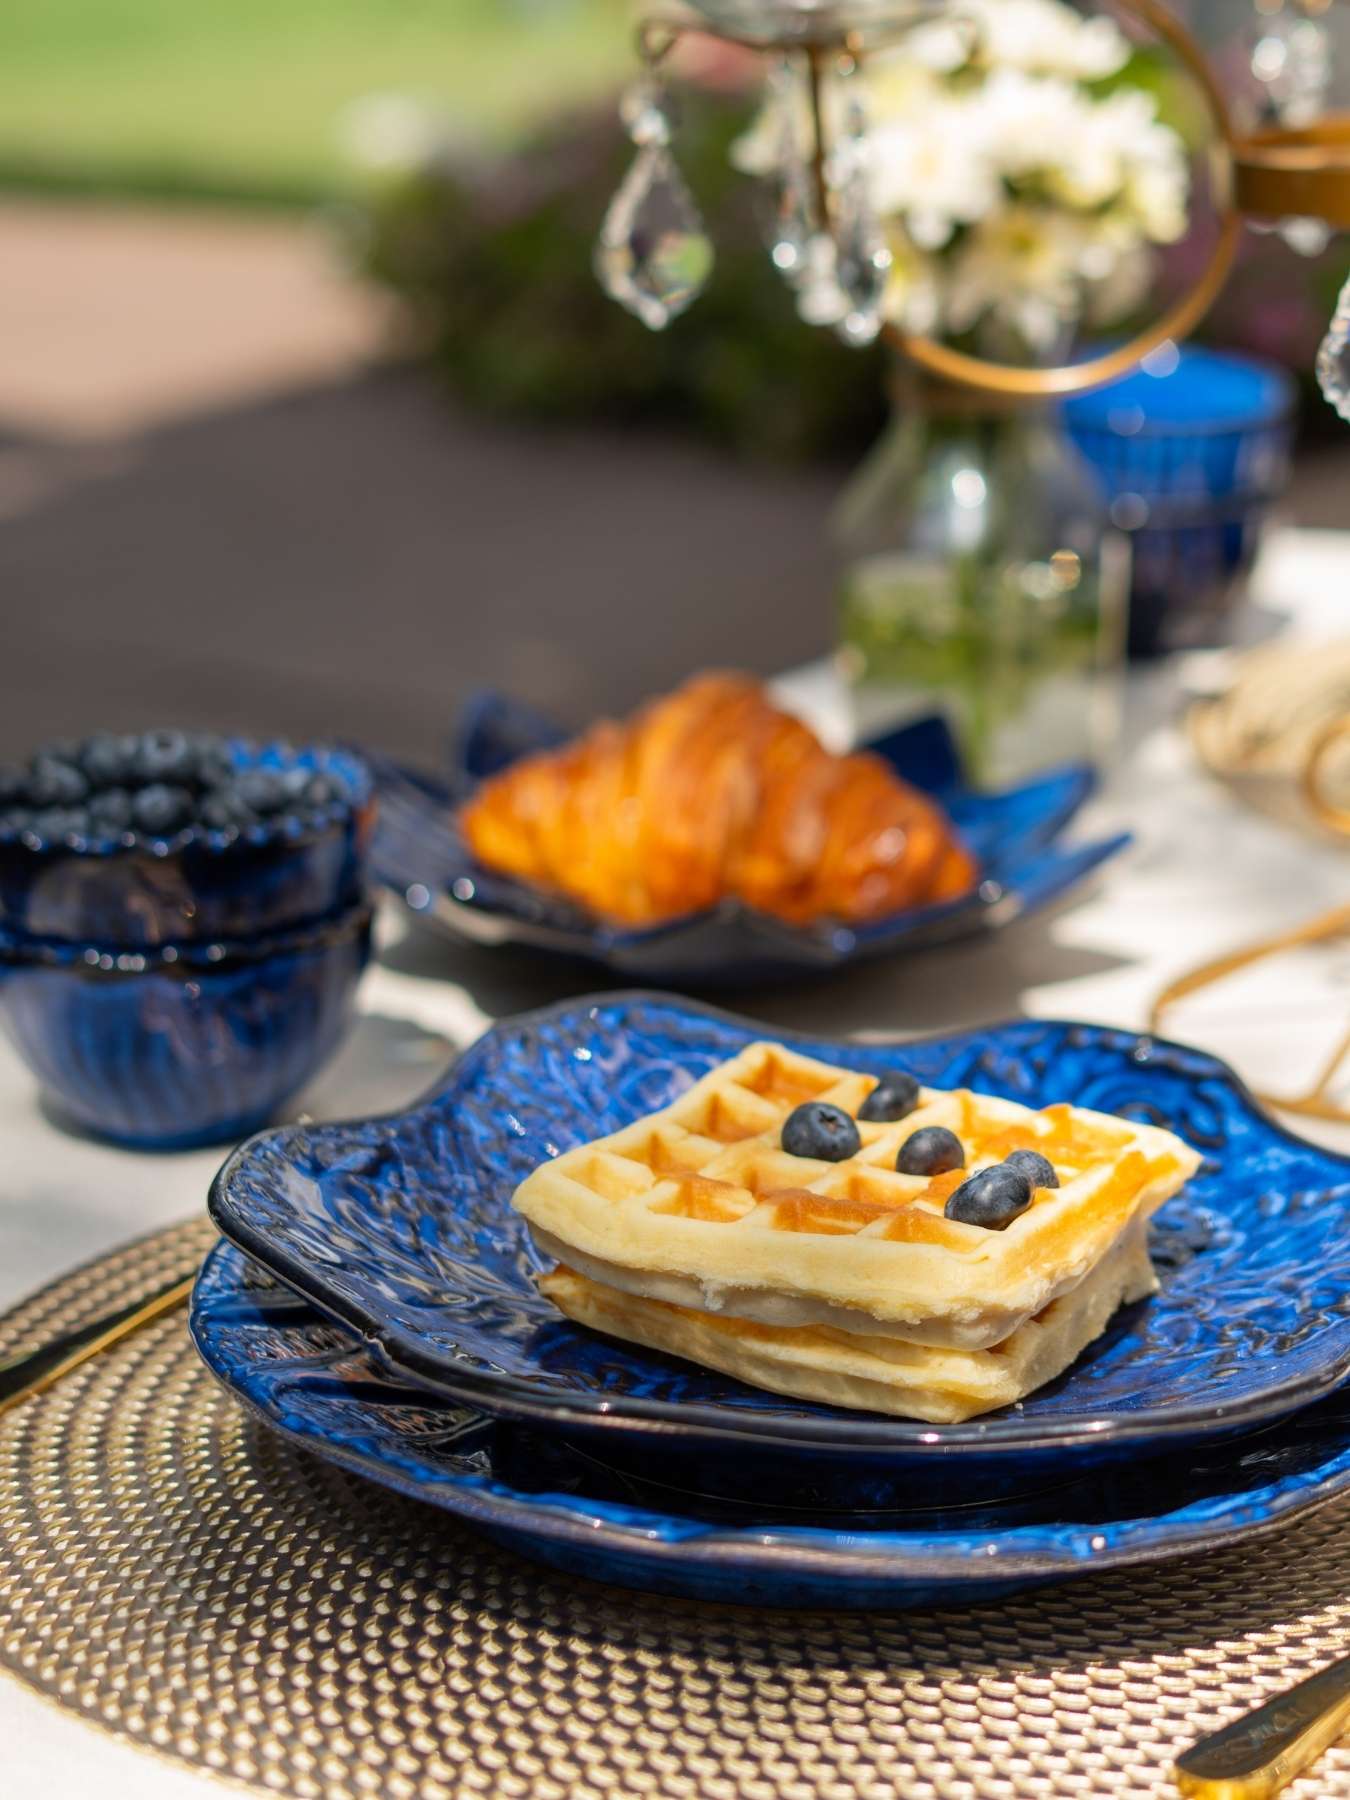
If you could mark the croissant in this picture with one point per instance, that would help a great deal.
(713, 792)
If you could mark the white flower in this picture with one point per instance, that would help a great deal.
(1036, 268)
(931, 170)
(914, 298)
(1021, 265)
(1027, 122)
(942, 45)
(1040, 36)
(1115, 138)
(1046, 37)
(1156, 200)
(1008, 187)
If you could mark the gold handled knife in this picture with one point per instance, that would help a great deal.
(1257, 1755)
(28, 1372)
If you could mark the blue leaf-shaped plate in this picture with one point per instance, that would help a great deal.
(402, 1228)
(309, 1380)
(420, 855)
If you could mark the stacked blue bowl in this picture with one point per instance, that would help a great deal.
(1192, 449)
(176, 990)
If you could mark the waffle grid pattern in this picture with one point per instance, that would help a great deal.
(714, 1158)
(172, 1574)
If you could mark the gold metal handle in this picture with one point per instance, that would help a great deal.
(1256, 1756)
(1317, 1101)
(31, 1371)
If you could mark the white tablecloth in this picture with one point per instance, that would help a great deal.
(1204, 874)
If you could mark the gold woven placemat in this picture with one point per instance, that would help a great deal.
(172, 1573)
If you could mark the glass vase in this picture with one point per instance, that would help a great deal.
(980, 578)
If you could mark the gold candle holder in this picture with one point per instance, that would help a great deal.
(1284, 172)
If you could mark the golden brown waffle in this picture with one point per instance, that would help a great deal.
(698, 1207)
(881, 1373)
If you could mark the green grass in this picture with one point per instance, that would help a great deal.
(239, 98)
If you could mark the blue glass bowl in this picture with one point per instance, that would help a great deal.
(199, 885)
(198, 1044)
(402, 1228)
(420, 856)
(312, 1382)
(1191, 448)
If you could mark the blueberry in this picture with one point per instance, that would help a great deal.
(164, 757)
(55, 783)
(932, 1150)
(1038, 1169)
(108, 758)
(295, 781)
(161, 810)
(992, 1198)
(17, 818)
(894, 1097)
(822, 1131)
(262, 789)
(13, 785)
(324, 790)
(60, 822)
(224, 808)
(215, 765)
(111, 810)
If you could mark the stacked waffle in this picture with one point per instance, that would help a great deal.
(837, 1276)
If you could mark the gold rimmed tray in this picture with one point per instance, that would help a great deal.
(171, 1572)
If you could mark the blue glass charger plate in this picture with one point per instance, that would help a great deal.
(312, 1382)
(419, 854)
(402, 1228)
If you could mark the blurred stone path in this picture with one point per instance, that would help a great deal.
(116, 319)
(221, 503)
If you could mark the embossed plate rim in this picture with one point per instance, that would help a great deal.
(1041, 1550)
(510, 1396)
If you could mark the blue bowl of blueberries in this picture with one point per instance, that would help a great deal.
(183, 922)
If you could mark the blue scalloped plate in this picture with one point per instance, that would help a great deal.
(309, 1380)
(420, 856)
(402, 1228)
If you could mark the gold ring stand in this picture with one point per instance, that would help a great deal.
(1178, 321)
(658, 35)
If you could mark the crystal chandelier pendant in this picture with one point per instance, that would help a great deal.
(820, 299)
(654, 255)
(862, 259)
(794, 222)
(1333, 359)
